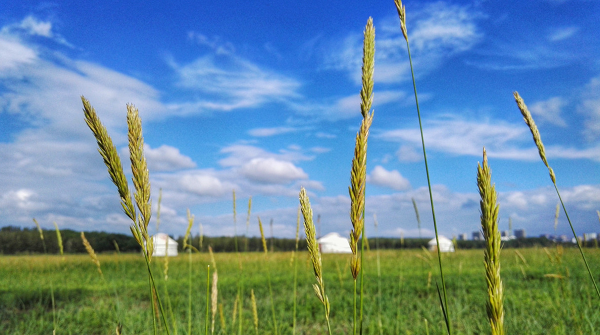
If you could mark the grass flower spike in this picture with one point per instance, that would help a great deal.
(315, 255)
(489, 225)
(538, 142)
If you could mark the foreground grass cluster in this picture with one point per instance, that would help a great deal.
(544, 293)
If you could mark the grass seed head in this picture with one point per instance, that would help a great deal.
(402, 16)
(91, 252)
(534, 131)
(109, 154)
(262, 235)
(254, 310)
(489, 224)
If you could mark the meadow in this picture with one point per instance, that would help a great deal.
(545, 293)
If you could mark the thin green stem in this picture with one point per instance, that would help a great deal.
(153, 284)
(190, 292)
(437, 240)
(354, 317)
(577, 240)
(272, 303)
(152, 307)
(295, 290)
(241, 307)
(207, 298)
(362, 274)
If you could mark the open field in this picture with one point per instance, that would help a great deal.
(85, 304)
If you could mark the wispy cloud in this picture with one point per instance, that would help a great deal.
(267, 132)
(459, 137)
(549, 111)
(590, 108)
(227, 82)
(563, 33)
(437, 31)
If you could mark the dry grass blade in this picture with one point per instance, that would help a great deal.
(489, 225)
(313, 250)
(108, 151)
(212, 258)
(39, 229)
(92, 254)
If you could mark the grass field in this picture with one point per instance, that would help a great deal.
(562, 303)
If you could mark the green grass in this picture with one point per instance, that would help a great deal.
(85, 304)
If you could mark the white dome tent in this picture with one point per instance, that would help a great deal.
(333, 243)
(160, 246)
(446, 245)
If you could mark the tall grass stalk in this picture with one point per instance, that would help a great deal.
(141, 181)
(379, 322)
(315, 255)
(417, 214)
(208, 296)
(187, 246)
(358, 175)
(264, 244)
(540, 145)
(402, 16)
(51, 284)
(489, 225)
(214, 295)
(295, 259)
(254, 311)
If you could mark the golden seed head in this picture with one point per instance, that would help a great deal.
(262, 236)
(402, 16)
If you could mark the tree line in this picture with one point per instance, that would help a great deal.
(16, 240)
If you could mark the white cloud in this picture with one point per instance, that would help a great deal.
(32, 26)
(166, 158)
(563, 33)
(550, 110)
(408, 153)
(215, 43)
(266, 132)
(271, 170)
(13, 54)
(390, 179)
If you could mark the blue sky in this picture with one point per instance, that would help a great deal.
(262, 97)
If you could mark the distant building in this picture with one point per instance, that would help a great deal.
(590, 236)
(477, 236)
(506, 235)
(563, 238)
(462, 237)
(520, 233)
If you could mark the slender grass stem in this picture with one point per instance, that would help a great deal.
(354, 309)
(190, 292)
(207, 299)
(362, 275)
(578, 243)
(437, 240)
(152, 305)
